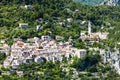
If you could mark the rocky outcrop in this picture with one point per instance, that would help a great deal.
(111, 2)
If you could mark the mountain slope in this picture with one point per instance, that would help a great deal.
(99, 2)
(89, 2)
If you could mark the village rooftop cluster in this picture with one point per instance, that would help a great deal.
(39, 49)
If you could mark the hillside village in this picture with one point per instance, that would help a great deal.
(47, 49)
(59, 39)
(37, 50)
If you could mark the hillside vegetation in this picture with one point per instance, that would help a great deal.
(52, 12)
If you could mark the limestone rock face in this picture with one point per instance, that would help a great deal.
(112, 2)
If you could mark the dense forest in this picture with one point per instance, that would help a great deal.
(53, 12)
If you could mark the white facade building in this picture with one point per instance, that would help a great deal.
(81, 53)
(23, 25)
